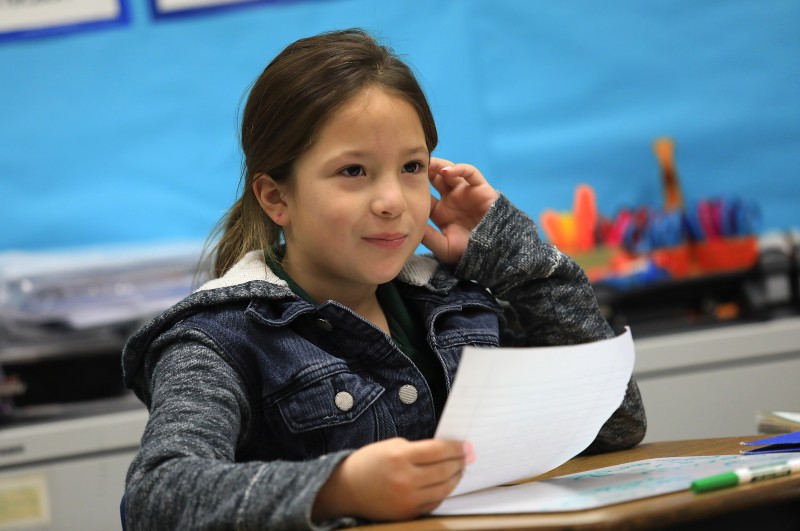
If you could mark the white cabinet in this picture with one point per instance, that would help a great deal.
(711, 383)
(67, 474)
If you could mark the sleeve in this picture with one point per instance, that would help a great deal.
(551, 299)
(185, 475)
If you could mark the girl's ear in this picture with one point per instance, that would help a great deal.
(270, 196)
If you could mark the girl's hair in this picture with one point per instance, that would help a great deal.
(287, 106)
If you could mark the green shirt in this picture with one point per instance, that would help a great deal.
(407, 332)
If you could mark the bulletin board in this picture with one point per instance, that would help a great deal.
(127, 132)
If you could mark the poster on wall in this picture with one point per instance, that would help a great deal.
(20, 19)
(167, 8)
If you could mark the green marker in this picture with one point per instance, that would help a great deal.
(745, 475)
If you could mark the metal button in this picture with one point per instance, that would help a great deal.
(408, 394)
(344, 400)
(324, 324)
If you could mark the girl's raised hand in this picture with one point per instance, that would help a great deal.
(393, 479)
(464, 197)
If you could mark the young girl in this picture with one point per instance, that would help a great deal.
(300, 388)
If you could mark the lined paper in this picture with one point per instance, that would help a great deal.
(529, 410)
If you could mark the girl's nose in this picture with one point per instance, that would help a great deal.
(390, 200)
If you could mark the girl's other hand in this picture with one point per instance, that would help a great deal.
(394, 479)
(464, 197)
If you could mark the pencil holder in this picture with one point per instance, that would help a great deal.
(726, 254)
(675, 260)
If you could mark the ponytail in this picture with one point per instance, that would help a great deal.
(242, 229)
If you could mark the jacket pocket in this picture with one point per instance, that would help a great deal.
(337, 399)
(337, 411)
(473, 325)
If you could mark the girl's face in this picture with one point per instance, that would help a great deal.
(359, 200)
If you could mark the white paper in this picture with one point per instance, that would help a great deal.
(788, 415)
(165, 6)
(603, 486)
(22, 15)
(529, 410)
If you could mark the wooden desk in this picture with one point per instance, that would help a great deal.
(771, 505)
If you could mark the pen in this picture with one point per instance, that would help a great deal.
(745, 475)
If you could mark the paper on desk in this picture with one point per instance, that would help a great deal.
(529, 410)
(600, 487)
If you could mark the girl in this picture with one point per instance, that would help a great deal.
(300, 388)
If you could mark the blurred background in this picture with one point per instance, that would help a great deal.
(128, 132)
(656, 142)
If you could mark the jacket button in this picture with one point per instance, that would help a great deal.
(344, 400)
(324, 324)
(408, 394)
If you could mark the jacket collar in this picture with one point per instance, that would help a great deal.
(419, 270)
(251, 282)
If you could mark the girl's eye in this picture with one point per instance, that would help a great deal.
(353, 171)
(412, 167)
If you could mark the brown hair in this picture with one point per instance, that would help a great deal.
(287, 105)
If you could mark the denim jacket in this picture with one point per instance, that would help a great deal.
(325, 379)
(321, 379)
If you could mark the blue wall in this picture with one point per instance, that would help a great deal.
(129, 134)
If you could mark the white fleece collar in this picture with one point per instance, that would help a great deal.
(417, 271)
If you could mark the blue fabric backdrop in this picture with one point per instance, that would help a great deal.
(129, 134)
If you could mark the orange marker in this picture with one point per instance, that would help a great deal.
(585, 217)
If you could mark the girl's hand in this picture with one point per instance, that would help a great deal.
(464, 197)
(393, 479)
